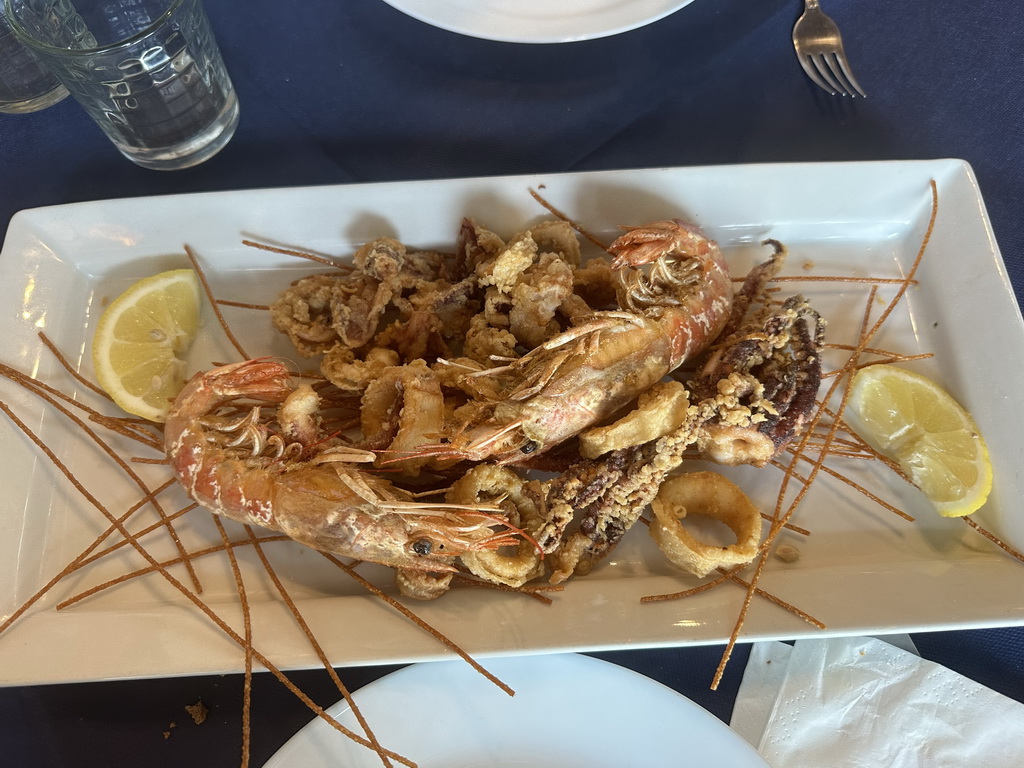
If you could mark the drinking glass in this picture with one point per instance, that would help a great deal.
(26, 85)
(147, 71)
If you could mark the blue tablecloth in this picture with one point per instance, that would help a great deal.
(358, 92)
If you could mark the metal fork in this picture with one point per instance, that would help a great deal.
(819, 48)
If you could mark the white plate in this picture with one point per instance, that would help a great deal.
(538, 21)
(862, 571)
(569, 711)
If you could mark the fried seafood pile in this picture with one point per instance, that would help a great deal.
(490, 298)
(471, 368)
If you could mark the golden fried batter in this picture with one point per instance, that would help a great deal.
(504, 269)
(485, 343)
(422, 585)
(536, 297)
(660, 410)
(351, 374)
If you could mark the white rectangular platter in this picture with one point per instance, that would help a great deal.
(861, 569)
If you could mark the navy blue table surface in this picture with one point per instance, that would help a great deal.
(358, 92)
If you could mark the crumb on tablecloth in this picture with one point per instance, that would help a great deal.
(198, 711)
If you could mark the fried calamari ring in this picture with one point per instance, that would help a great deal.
(489, 483)
(705, 494)
(660, 410)
(422, 585)
(403, 409)
(557, 236)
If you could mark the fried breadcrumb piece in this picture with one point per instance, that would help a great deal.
(198, 712)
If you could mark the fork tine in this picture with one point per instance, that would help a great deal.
(844, 67)
(821, 63)
(812, 72)
(834, 63)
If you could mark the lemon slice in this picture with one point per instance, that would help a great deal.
(142, 337)
(909, 418)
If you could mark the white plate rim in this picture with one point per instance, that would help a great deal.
(533, 21)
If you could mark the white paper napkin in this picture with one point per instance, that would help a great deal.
(864, 702)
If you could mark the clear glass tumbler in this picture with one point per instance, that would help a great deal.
(147, 71)
(26, 85)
